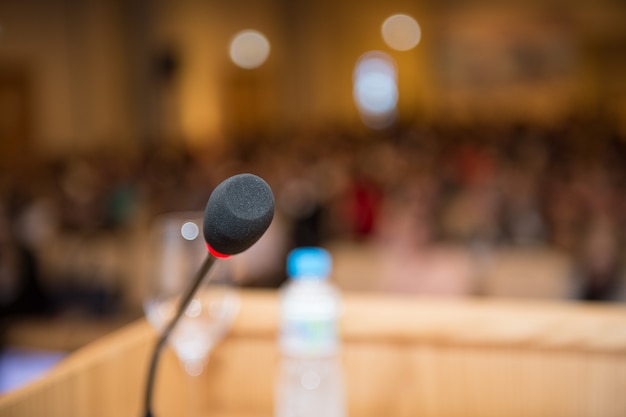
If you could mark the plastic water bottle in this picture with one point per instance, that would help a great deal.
(310, 377)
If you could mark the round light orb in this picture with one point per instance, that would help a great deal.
(401, 32)
(249, 49)
(376, 92)
(375, 89)
(189, 231)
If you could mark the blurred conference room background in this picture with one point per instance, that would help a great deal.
(460, 149)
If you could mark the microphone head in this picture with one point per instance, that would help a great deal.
(238, 212)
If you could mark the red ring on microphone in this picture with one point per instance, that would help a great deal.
(216, 253)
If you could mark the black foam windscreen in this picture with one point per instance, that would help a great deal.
(239, 211)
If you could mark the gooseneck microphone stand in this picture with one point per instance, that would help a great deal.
(186, 299)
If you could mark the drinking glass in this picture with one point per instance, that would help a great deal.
(179, 250)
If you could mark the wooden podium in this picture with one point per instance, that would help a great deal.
(403, 356)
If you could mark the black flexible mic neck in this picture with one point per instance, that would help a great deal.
(185, 300)
(237, 214)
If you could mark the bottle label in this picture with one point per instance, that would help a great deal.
(309, 337)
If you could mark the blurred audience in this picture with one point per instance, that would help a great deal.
(419, 192)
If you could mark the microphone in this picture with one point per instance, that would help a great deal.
(237, 214)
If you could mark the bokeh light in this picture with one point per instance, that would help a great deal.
(401, 32)
(249, 49)
(190, 231)
(375, 89)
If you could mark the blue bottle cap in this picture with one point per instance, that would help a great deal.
(309, 262)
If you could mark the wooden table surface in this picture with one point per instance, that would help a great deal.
(403, 356)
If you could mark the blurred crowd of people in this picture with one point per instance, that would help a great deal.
(477, 185)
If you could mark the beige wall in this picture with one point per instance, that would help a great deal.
(75, 63)
(89, 63)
